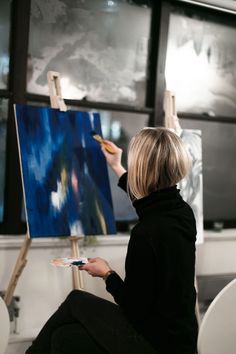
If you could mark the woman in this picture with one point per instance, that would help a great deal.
(156, 301)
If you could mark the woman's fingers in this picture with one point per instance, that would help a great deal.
(96, 267)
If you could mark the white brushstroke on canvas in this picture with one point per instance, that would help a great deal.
(76, 228)
(58, 198)
(92, 118)
(86, 170)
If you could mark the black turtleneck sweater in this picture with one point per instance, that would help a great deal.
(158, 294)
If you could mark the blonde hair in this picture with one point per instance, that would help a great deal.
(157, 159)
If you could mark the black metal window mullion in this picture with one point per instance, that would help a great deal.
(17, 85)
(151, 88)
(90, 104)
(162, 13)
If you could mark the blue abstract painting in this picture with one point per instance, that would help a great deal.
(64, 173)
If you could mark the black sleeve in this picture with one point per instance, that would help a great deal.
(115, 286)
(122, 183)
(131, 292)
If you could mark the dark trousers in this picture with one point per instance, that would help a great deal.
(87, 324)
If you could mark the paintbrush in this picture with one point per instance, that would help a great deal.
(105, 144)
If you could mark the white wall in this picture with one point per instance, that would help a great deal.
(217, 255)
(43, 287)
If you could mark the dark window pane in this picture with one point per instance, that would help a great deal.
(23, 217)
(3, 130)
(219, 169)
(201, 65)
(120, 127)
(100, 48)
(4, 42)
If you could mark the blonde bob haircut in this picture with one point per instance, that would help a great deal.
(157, 159)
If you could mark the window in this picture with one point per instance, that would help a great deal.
(5, 9)
(114, 57)
(4, 42)
(3, 130)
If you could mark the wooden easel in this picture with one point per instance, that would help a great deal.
(54, 85)
(171, 121)
(19, 266)
(77, 281)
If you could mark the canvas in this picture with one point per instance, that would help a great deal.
(191, 187)
(64, 173)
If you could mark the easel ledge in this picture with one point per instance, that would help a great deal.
(77, 281)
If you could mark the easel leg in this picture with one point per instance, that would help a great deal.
(76, 273)
(19, 266)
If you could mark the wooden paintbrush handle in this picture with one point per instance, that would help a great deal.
(108, 147)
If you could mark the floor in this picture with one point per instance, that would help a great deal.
(18, 343)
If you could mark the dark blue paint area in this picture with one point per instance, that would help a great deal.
(78, 263)
(64, 172)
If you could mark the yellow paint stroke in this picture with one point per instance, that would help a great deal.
(64, 180)
(101, 218)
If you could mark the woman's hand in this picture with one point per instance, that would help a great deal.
(97, 267)
(114, 160)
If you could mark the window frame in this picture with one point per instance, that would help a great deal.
(16, 92)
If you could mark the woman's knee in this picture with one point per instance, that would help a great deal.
(69, 339)
(66, 336)
(80, 296)
(74, 295)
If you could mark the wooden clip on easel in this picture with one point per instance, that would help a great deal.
(54, 86)
(171, 120)
(56, 102)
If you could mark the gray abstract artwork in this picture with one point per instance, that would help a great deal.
(192, 186)
(204, 53)
(99, 47)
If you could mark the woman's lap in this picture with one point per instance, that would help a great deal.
(107, 324)
(100, 320)
(73, 338)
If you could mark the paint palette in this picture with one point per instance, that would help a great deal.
(69, 262)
